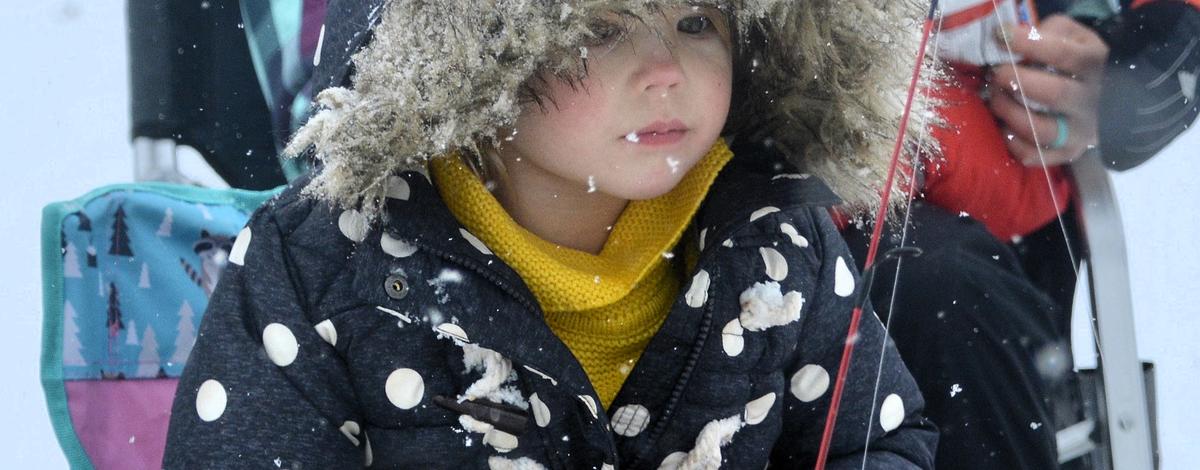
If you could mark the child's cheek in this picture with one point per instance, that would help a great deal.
(581, 113)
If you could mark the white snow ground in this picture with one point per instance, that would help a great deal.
(64, 126)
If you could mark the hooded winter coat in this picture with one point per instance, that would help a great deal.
(360, 324)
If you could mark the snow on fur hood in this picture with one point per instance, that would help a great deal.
(826, 82)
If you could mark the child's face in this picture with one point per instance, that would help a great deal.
(653, 103)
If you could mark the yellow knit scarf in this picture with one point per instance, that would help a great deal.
(604, 307)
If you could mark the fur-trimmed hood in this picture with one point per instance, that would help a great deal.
(406, 80)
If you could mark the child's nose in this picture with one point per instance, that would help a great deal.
(659, 70)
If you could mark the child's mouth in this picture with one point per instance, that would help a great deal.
(658, 133)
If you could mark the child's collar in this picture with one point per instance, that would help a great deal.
(759, 176)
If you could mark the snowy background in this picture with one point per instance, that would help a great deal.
(64, 126)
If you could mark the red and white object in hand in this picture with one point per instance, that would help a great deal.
(968, 31)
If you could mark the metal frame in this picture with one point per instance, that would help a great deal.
(157, 160)
(1127, 417)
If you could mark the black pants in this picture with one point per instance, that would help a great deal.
(984, 327)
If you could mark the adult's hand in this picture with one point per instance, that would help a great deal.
(1062, 71)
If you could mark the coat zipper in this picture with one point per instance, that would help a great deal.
(677, 391)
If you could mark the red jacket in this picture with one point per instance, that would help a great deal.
(976, 173)
(978, 176)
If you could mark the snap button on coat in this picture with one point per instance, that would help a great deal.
(396, 286)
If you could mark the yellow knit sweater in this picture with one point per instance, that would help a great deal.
(605, 307)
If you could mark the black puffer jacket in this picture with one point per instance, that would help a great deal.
(329, 346)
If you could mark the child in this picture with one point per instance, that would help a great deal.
(530, 245)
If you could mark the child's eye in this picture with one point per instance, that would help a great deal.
(696, 24)
(604, 32)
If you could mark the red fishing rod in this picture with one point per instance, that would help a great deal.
(880, 217)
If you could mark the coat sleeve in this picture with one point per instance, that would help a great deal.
(1150, 85)
(899, 436)
(262, 388)
(976, 175)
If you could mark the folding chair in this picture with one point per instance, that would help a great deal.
(128, 268)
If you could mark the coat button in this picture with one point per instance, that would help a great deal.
(396, 286)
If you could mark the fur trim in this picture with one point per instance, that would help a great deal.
(826, 84)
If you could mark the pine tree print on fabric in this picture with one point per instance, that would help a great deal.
(148, 359)
(164, 229)
(71, 261)
(72, 350)
(120, 236)
(185, 337)
(119, 292)
(131, 335)
(144, 280)
(114, 323)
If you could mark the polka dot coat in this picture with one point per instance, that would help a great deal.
(335, 342)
